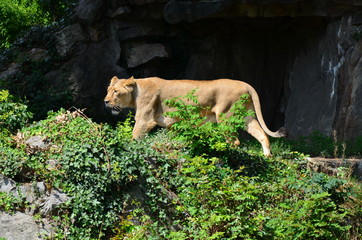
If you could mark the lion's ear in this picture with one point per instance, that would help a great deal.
(113, 80)
(130, 82)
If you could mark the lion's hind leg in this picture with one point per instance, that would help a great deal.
(218, 113)
(253, 128)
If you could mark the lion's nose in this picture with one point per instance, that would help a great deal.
(106, 102)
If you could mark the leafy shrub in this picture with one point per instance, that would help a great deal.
(155, 189)
(19, 15)
(203, 136)
(13, 115)
(318, 144)
(16, 16)
(42, 95)
(96, 166)
(10, 203)
(56, 9)
(216, 202)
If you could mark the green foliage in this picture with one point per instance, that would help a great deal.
(10, 203)
(95, 166)
(318, 144)
(216, 202)
(124, 129)
(19, 15)
(41, 95)
(13, 115)
(202, 136)
(16, 16)
(56, 9)
(157, 188)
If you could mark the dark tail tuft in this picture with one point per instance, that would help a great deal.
(283, 132)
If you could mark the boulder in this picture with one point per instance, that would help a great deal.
(91, 72)
(20, 226)
(348, 121)
(11, 70)
(332, 166)
(121, 12)
(67, 38)
(177, 11)
(37, 195)
(325, 85)
(32, 193)
(90, 11)
(49, 205)
(38, 54)
(132, 30)
(141, 53)
(37, 143)
(143, 2)
(8, 185)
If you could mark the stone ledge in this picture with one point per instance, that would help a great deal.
(331, 166)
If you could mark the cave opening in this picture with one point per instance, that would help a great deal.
(259, 51)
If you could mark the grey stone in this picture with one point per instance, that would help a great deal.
(68, 37)
(33, 192)
(177, 11)
(20, 226)
(348, 121)
(142, 2)
(38, 54)
(8, 185)
(89, 11)
(36, 194)
(52, 164)
(121, 12)
(29, 192)
(91, 72)
(141, 53)
(37, 143)
(140, 29)
(332, 166)
(52, 201)
(325, 85)
(12, 69)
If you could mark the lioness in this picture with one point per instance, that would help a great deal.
(147, 97)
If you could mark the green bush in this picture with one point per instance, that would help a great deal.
(156, 188)
(13, 115)
(17, 16)
(10, 203)
(318, 144)
(205, 137)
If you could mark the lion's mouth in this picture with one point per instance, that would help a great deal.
(116, 110)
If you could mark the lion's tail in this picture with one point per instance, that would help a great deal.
(281, 132)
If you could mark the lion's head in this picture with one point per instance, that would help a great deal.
(119, 94)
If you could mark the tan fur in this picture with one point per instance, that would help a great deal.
(147, 96)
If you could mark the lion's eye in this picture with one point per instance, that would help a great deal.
(115, 91)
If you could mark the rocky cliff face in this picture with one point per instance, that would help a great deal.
(302, 56)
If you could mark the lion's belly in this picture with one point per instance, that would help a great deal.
(164, 121)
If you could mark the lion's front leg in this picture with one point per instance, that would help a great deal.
(141, 128)
(145, 116)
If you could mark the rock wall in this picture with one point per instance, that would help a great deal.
(325, 83)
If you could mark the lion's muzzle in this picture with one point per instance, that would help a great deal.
(114, 109)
